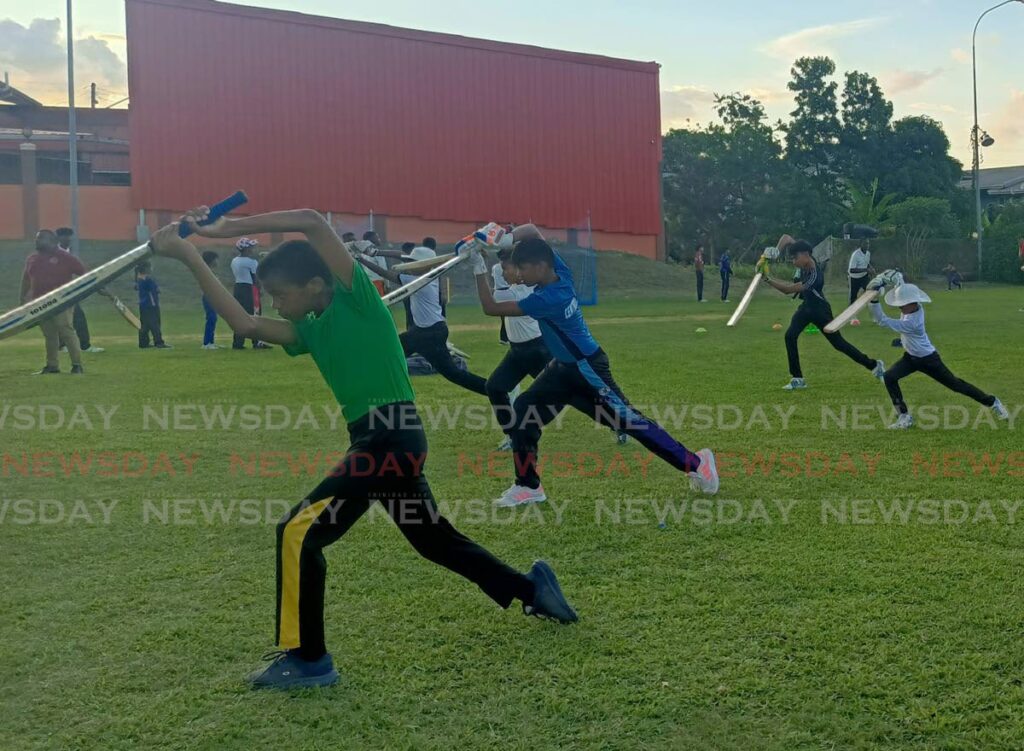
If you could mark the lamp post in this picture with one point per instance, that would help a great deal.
(73, 135)
(978, 139)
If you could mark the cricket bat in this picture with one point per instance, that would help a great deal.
(745, 301)
(126, 313)
(456, 351)
(415, 267)
(866, 297)
(35, 311)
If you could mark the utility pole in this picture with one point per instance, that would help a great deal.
(72, 134)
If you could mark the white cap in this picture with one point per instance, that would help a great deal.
(419, 253)
(905, 294)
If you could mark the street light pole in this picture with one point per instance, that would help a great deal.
(975, 132)
(72, 134)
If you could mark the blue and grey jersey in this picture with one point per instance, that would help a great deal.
(557, 310)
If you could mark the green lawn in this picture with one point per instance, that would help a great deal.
(789, 628)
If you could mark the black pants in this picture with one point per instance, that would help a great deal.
(150, 319)
(725, 286)
(432, 344)
(525, 359)
(81, 327)
(933, 367)
(589, 387)
(384, 463)
(700, 286)
(820, 315)
(857, 286)
(243, 293)
(951, 281)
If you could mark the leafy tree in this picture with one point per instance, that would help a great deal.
(812, 135)
(919, 160)
(865, 206)
(917, 219)
(1001, 262)
(867, 128)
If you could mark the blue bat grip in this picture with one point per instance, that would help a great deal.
(218, 210)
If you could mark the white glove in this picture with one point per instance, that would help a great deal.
(490, 235)
(878, 282)
(893, 278)
(479, 264)
(467, 245)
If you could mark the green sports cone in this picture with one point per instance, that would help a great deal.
(811, 329)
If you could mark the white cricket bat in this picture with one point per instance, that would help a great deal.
(127, 314)
(745, 301)
(35, 311)
(456, 351)
(866, 297)
(425, 265)
(408, 290)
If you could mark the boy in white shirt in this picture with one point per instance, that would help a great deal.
(920, 355)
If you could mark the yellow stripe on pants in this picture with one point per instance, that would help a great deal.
(291, 551)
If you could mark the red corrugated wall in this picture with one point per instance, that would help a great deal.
(349, 116)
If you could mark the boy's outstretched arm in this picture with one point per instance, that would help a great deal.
(388, 274)
(307, 221)
(167, 243)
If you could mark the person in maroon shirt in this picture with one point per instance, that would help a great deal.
(45, 270)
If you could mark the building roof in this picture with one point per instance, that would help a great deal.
(353, 117)
(11, 95)
(997, 181)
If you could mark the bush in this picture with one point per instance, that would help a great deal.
(1001, 260)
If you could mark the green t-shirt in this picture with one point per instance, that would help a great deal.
(355, 345)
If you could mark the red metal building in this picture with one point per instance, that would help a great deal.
(416, 127)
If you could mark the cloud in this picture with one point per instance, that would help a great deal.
(1007, 126)
(948, 109)
(680, 104)
(899, 81)
(816, 39)
(36, 57)
(960, 55)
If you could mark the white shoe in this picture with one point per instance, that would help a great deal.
(903, 422)
(95, 350)
(505, 445)
(705, 479)
(621, 437)
(1000, 410)
(520, 495)
(796, 383)
(879, 370)
(210, 346)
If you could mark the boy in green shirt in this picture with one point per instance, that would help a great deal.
(333, 313)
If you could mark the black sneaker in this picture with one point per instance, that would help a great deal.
(548, 600)
(288, 670)
(163, 345)
(47, 370)
(262, 345)
(77, 370)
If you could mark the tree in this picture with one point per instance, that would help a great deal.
(919, 160)
(865, 206)
(718, 180)
(812, 134)
(1001, 262)
(866, 130)
(918, 219)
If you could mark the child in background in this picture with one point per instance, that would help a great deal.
(210, 258)
(243, 268)
(953, 278)
(149, 307)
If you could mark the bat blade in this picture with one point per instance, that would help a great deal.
(866, 297)
(400, 294)
(745, 301)
(456, 351)
(425, 265)
(127, 314)
(79, 288)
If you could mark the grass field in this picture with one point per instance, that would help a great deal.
(810, 606)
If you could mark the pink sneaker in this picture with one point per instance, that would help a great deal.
(520, 495)
(705, 479)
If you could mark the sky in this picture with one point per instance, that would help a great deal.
(920, 50)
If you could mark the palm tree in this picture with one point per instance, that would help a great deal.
(864, 207)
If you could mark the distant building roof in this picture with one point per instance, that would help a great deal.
(11, 95)
(997, 181)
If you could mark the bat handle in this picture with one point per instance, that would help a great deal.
(229, 204)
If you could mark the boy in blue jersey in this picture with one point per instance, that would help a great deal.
(579, 375)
